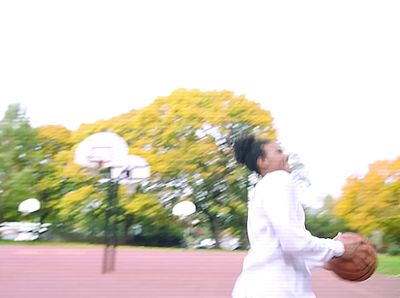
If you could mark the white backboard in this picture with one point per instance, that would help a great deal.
(29, 206)
(137, 167)
(183, 209)
(103, 149)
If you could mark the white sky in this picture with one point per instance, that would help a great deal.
(329, 71)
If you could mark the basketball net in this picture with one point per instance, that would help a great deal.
(94, 171)
(131, 188)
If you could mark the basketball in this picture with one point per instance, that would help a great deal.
(361, 266)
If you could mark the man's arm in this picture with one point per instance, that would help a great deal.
(282, 207)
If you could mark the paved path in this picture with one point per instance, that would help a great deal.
(55, 272)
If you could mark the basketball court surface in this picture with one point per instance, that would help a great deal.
(58, 272)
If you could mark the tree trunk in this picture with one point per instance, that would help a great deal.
(127, 224)
(43, 216)
(215, 229)
(244, 239)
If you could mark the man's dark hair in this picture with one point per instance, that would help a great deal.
(247, 150)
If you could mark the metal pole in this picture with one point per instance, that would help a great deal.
(114, 226)
(108, 224)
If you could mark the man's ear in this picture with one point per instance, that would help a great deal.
(261, 163)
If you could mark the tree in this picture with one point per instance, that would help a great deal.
(154, 224)
(323, 222)
(18, 159)
(186, 138)
(372, 203)
(53, 142)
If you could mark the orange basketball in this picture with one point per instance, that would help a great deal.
(361, 267)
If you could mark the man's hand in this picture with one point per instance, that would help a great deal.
(327, 266)
(337, 236)
(350, 246)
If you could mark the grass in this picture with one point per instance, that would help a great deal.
(388, 265)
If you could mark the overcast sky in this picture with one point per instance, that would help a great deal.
(329, 71)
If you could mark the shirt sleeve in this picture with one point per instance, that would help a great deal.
(284, 211)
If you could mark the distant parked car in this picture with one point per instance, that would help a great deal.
(205, 243)
(22, 231)
(230, 243)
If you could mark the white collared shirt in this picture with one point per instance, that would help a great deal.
(282, 252)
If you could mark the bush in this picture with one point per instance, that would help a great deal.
(394, 250)
(162, 236)
(325, 225)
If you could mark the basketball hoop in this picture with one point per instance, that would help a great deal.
(101, 150)
(184, 209)
(135, 171)
(28, 206)
(106, 150)
(100, 155)
(136, 168)
(131, 188)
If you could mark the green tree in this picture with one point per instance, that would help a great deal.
(186, 138)
(18, 159)
(53, 141)
(323, 222)
(154, 224)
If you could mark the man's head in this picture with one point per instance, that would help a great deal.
(261, 156)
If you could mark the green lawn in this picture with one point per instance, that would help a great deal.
(389, 265)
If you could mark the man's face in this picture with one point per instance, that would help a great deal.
(274, 159)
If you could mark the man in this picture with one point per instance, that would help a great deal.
(282, 252)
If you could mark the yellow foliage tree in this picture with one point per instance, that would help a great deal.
(372, 202)
(54, 144)
(186, 138)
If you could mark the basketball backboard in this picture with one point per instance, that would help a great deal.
(136, 167)
(101, 150)
(29, 206)
(183, 209)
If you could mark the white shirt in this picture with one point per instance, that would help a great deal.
(282, 252)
